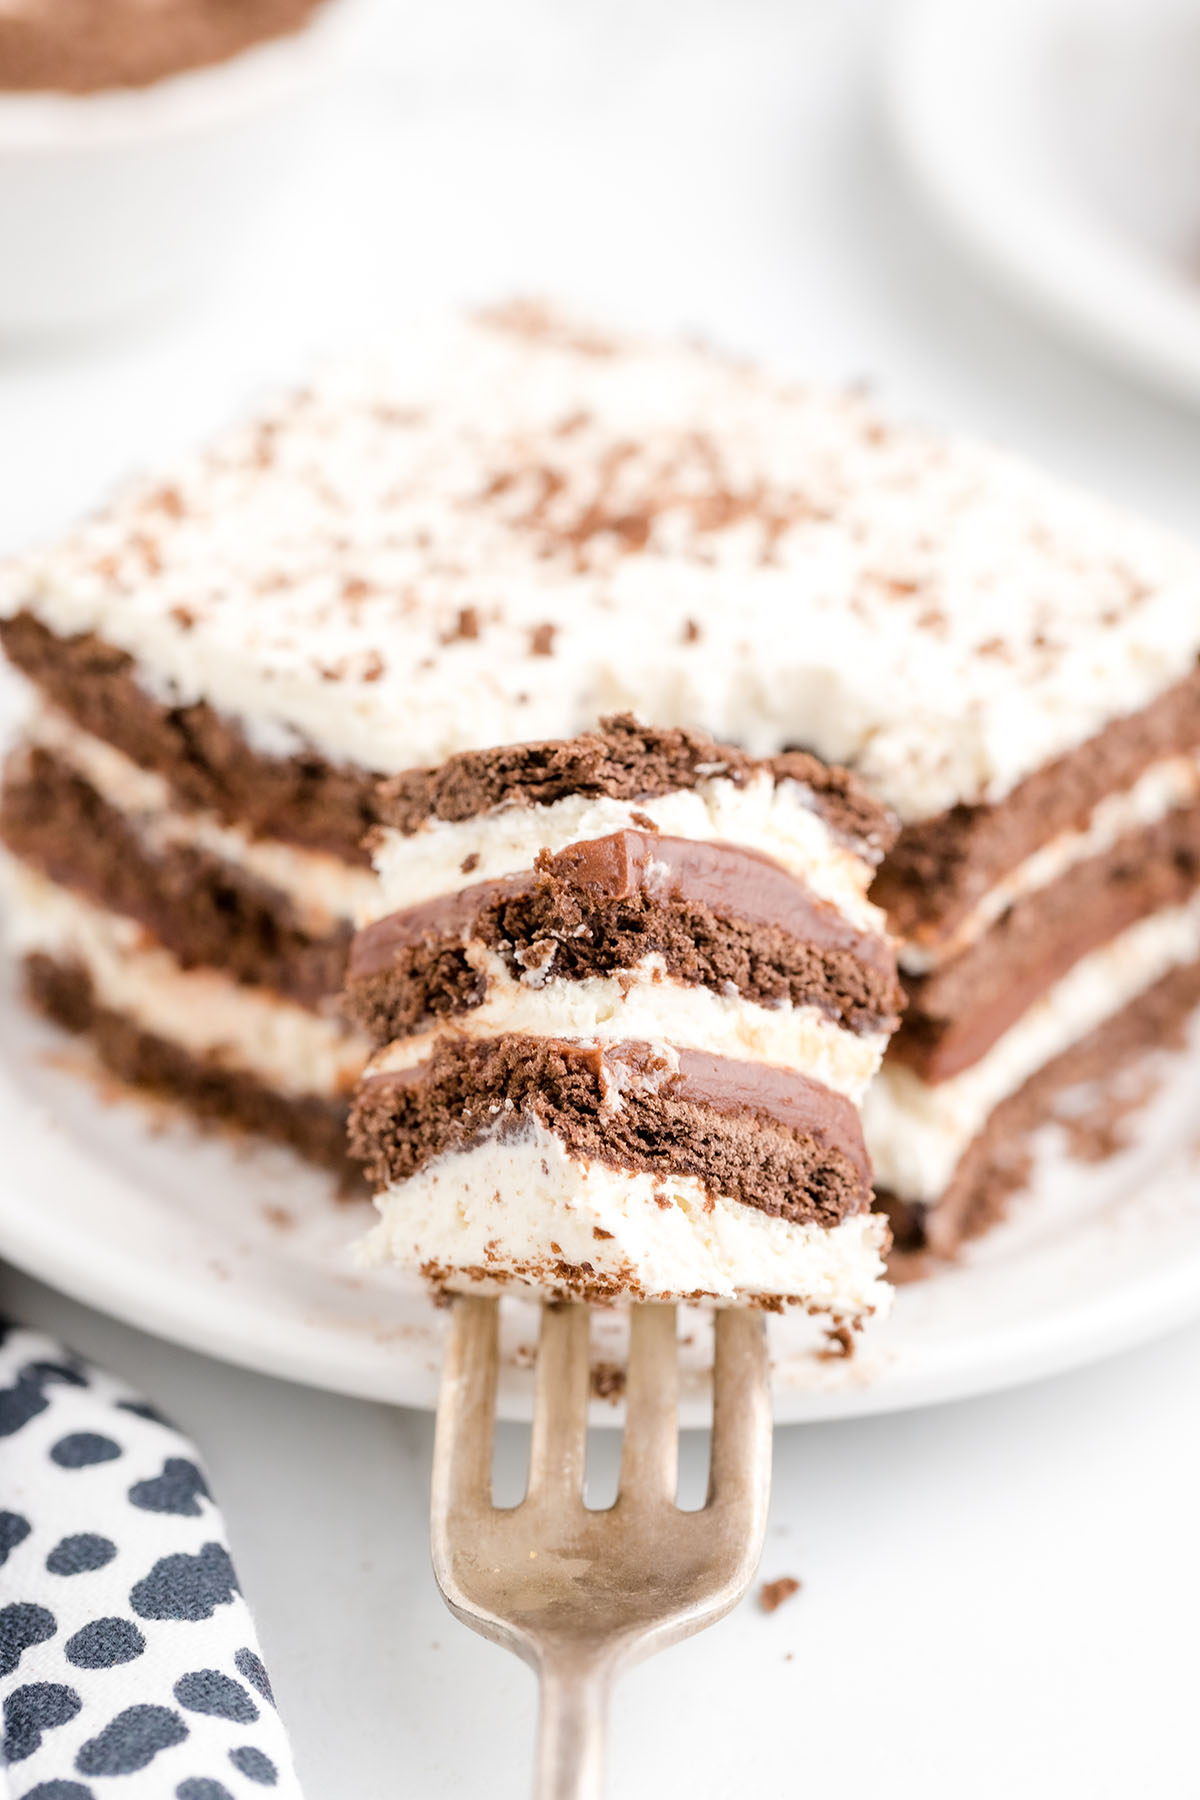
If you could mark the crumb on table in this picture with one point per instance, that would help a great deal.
(772, 1594)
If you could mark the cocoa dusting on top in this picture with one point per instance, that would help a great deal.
(636, 483)
(528, 317)
(465, 628)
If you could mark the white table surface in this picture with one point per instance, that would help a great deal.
(998, 1596)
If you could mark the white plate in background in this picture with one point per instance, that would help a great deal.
(243, 1253)
(114, 202)
(1060, 140)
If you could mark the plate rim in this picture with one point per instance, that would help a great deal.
(1081, 1334)
(222, 1318)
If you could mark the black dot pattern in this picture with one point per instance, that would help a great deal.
(186, 1587)
(179, 1489)
(103, 1643)
(254, 1765)
(81, 1554)
(22, 1625)
(128, 1665)
(251, 1666)
(131, 1741)
(208, 1691)
(83, 1449)
(21, 1402)
(32, 1710)
(14, 1529)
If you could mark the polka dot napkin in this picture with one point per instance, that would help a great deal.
(129, 1667)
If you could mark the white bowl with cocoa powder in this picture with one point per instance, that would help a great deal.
(114, 198)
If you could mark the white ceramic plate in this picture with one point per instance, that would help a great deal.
(244, 1254)
(1061, 141)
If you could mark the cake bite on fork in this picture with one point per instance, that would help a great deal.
(628, 992)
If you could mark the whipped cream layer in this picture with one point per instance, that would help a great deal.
(524, 1211)
(645, 1004)
(777, 819)
(512, 523)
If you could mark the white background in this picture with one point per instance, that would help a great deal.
(998, 1596)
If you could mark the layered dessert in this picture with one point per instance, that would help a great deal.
(516, 524)
(86, 46)
(629, 994)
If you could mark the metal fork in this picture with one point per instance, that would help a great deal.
(580, 1593)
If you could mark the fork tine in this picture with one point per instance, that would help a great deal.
(650, 1452)
(462, 1451)
(740, 1468)
(559, 1442)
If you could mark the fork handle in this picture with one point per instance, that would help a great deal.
(571, 1729)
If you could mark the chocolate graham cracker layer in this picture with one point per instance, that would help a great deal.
(63, 993)
(772, 1139)
(718, 916)
(621, 760)
(205, 911)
